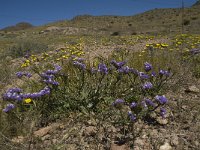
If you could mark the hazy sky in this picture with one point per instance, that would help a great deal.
(39, 12)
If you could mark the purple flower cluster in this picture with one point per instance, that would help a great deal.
(149, 102)
(49, 75)
(133, 105)
(164, 72)
(57, 68)
(103, 68)
(143, 75)
(118, 65)
(134, 71)
(79, 65)
(20, 74)
(144, 104)
(45, 91)
(131, 116)
(163, 112)
(118, 102)
(17, 95)
(8, 108)
(147, 66)
(161, 99)
(13, 94)
(195, 51)
(50, 80)
(93, 70)
(153, 74)
(147, 85)
(124, 70)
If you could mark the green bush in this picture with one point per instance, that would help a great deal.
(23, 48)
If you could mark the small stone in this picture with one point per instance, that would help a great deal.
(119, 147)
(166, 146)
(46, 137)
(43, 131)
(196, 143)
(144, 136)
(184, 107)
(162, 121)
(18, 139)
(192, 89)
(90, 131)
(174, 140)
(47, 143)
(91, 122)
(54, 141)
(61, 126)
(139, 142)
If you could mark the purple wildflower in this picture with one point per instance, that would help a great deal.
(161, 99)
(51, 81)
(28, 75)
(153, 74)
(195, 51)
(124, 70)
(147, 86)
(8, 108)
(57, 67)
(143, 75)
(118, 102)
(133, 105)
(42, 92)
(102, 68)
(20, 74)
(161, 72)
(164, 72)
(80, 59)
(143, 103)
(50, 72)
(131, 116)
(13, 94)
(13, 90)
(118, 65)
(80, 65)
(134, 71)
(93, 70)
(147, 66)
(163, 112)
(149, 102)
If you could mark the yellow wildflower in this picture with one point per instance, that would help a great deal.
(28, 100)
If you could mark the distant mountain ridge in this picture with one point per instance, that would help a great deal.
(18, 26)
(197, 3)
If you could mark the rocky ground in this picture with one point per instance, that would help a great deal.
(179, 131)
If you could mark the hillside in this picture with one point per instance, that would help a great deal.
(160, 21)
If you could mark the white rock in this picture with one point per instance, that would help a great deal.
(192, 89)
(166, 146)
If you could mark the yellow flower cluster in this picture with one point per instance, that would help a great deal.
(188, 41)
(157, 45)
(75, 50)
